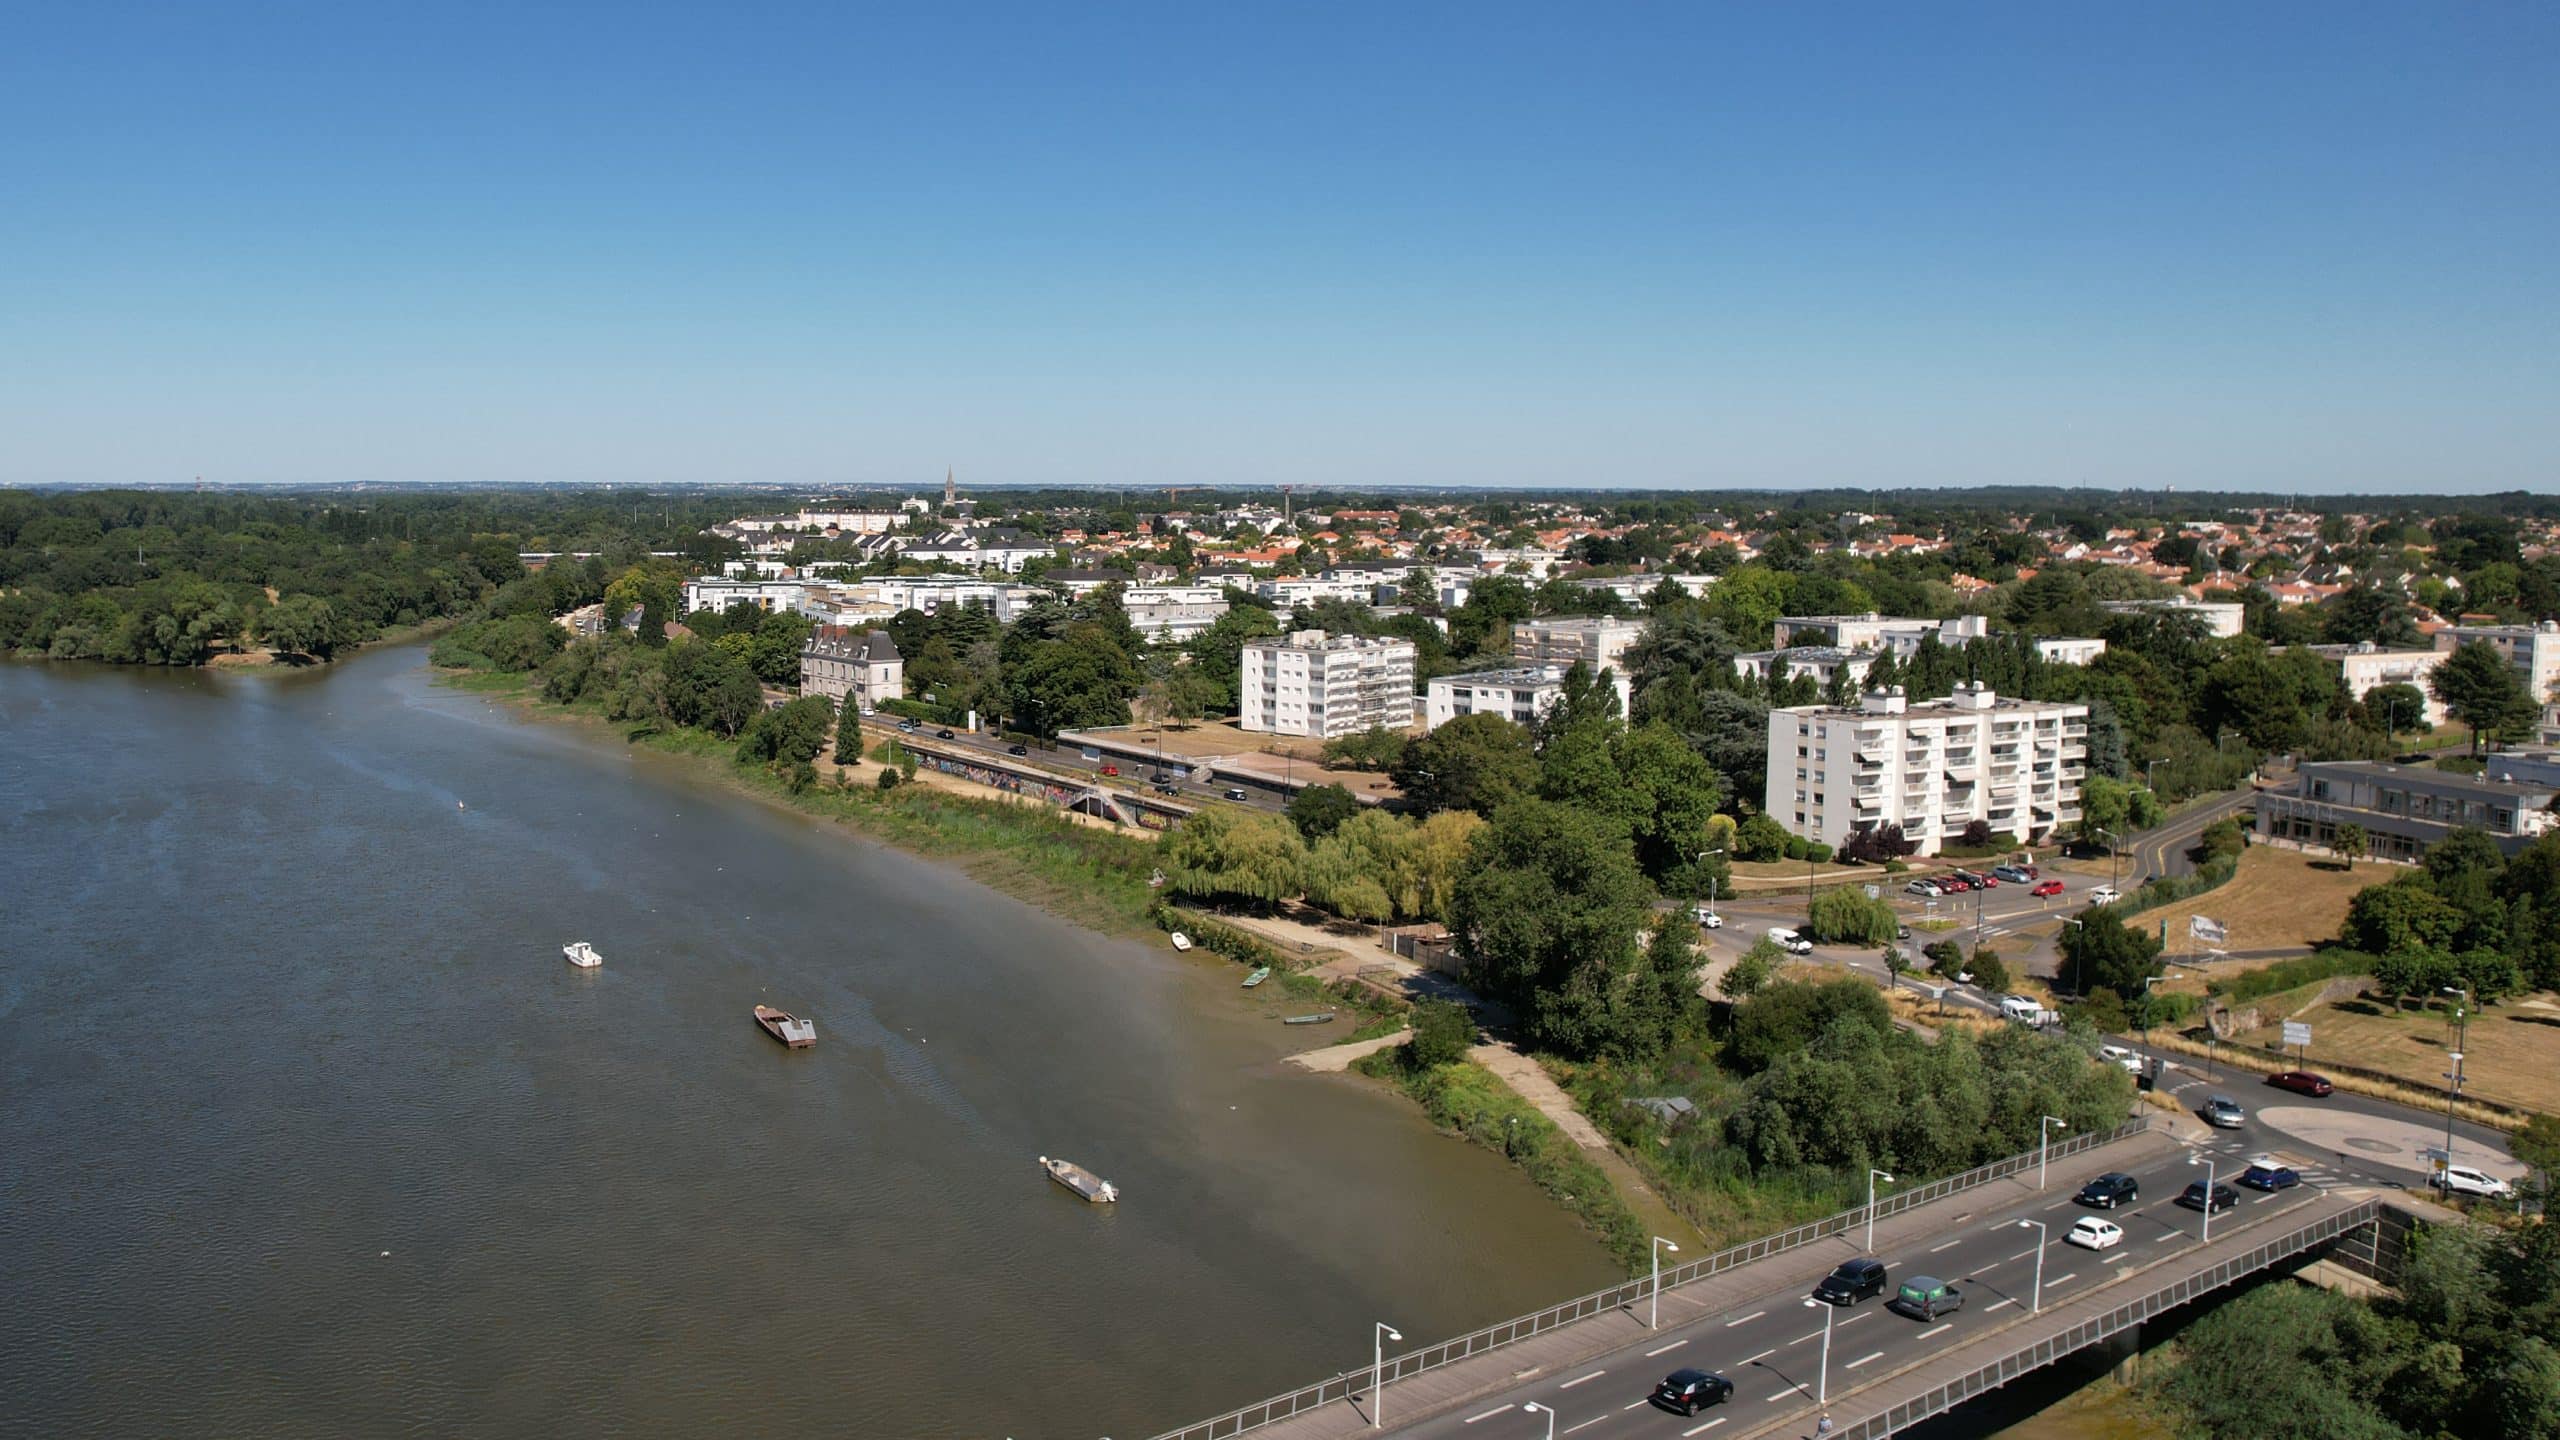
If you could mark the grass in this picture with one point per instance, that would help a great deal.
(2512, 1055)
(2279, 900)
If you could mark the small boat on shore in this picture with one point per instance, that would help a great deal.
(582, 954)
(1180, 940)
(1257, 977)
(1324, 1017)
(1083, 1182)
(786, 1027)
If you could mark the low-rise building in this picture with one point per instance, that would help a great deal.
(2533, 649)
(1523, 693)
(866, 663)
(1819, 661)
(1933, 767)
(2220, 618)
(1173, 613)
(2402, 809)
(1599, 641)
(1872, 631)
(718, 593)
(2368, 667)
(1314, 684)
(2063, 650)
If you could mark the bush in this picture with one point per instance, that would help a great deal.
(1989, 971)
(889, 777)
(1760, 838)
(1794, 849)
(1845, 914)
(1818, 853)
(1944, 956)
(2288, 974)
(1443, 1032)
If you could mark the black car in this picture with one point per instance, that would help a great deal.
(1017, 749)
(2110, 1190)
(1686, 1390)
(2269, 1176)
(944, 733)
(2224, 1197)
(1168, 790)
(1161, 777)
(1852, 1282)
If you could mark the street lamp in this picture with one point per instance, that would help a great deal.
(1659, 1245)
(2453, 1090)
(1822, 1380)
(2044, 1237)
(2207, 1162)
(1872, 1177)
(2045, 1126)
(2147, 982)
(1534, 1408)
(1711, 877)
(1377, 1371)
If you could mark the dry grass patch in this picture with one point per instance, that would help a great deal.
(2279, 900)
(2513, 1059)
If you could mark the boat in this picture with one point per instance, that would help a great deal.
(1181, 941)
(1324, 1017)
(786, 1027)
(582, 954)
(1080, 1180)
(1257, 977)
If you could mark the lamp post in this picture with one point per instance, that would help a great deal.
(1654, 1322)
(2044, 1237)
(1534, 1408)
(1822, 1378)
(2147, 982)
(2207, 1162)
(1872, 1177)
(1377, 1372)
(2045, 1126)
(1711, 876)
(2453, 1077)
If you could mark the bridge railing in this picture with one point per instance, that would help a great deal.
(2037, 1354)
(1626, 1294)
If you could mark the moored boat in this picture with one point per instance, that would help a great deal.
(1322, 1018)
(582, 954)
(1181, 941)
(1259, 975)
(1083, 1182)
(786, 1027)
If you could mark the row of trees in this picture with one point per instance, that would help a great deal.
(2467, 916)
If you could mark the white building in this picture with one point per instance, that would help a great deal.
(1308, 589)
(1522, 693)
(1599, 641)
(930, 593)
(2533, 649)
(2221, 617)
(1173, 613)
(865, 662)
(710, 592)
(2065, 651)
(1933, 768)
(1314, 684)
(2368, 667)
(993, 548)
(1819, 661)
(1872, 631)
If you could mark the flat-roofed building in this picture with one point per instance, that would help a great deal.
(2220, 618)
(1819, 661)
(2368, 667)
(1599, 641)
(2064, 650)
(2402, 809)
(1522, 693)
(1319, 685)
(1872, 631)
(1932, 767)
(2533, 649)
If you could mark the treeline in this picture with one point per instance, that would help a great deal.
(2468, 917)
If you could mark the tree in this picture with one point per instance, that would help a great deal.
(1225, 851)
(2350, 843)
(2100, 950)
(1844, 915)
(2480, 689)
(1376, 749)
(300, 625)
(1317, 809)
(2402, 914)
(1474, 762)
(1897, 963)
(792, 733)
(1990, 972)
(1548, 919)
(848, 731)
(1751, 974)
(1760, 838)
(1443, 1032)
(2398, 708)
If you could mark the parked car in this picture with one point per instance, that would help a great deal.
(2193, 1197)
(1687, 1390)
(2091, 1233)
(1017, 749)
(1923, 886)
(1709, 918)
(2268, 1174)
(1954, 884)
(1901, 932)
(2302, 1082)
(2223, 1113)
(1979, 881)
(1110, 769)
(2014, 874)
(1850, 1282)
(2104, 895)
(1926, 1297)
(1789, 941)
(2110, 1190)
(2463, 1180)
(2047, 888)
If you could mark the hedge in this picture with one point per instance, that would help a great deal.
(2288, 974)
(2169, 889)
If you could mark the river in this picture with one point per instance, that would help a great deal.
(306, 1129)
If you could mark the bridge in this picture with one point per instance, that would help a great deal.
(2029, 1300)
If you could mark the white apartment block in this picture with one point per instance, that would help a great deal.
(1933, 767)
(1318, 685)
(2533, 649)
(1523, 693)
(2368, 667)
(2065, 651)
(1599, 641)
(1308, 589)
(2221, 617)
(1173, 613)
(1819, 661)
(1872, 631)
(710, 592)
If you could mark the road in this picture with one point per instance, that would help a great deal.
(1772, 1348)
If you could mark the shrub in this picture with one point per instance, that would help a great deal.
(1442, 1032)
(888, 777)
(1818, 853)
(2287, 974)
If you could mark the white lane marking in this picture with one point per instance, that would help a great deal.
(1996, 1304)
(1639, 1404)
(1950, 1245)
(2058, 1204)
(1578, 1379)
(1763, 1355)
(1936, 1329)
(1674, 1345)
(1489, 1414)
(1854, 1319)
(1710, 1425)
(1991, 1265)
(2023, 1254)
(1863, 1359)
(2062, 1279)
(2165, 1239)
(1594, 1420)
(1745, 1320)
(1809, 1335)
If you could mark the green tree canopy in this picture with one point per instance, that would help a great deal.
(1548, 918)
(1225, 851)
(1474, 762)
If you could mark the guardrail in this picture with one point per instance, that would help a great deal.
(2040, 1353)
(1625, 1294)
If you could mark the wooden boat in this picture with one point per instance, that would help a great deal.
(1181, 941)
(1083, 1182)
(1257, 977)
(582, 954)
(1322, 1018)
(786, 1027)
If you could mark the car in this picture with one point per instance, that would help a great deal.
(2025, 1009)
(1709, 918)
(910, 727)
(1161, 777)
(1017, 749)
(1851, 1281)
(2269, 1174)
(1901, 932)
(2110, 1190)
(2103, 895)
(2014, 874)
(1978, 881)
(2463, 1180)
(1954, 884)
(2222, 1113)
(1789, 941)
(2047, 888)
(1926, 887)
(2302, 1082)
(1926, 1297)
(1234, 792)
(1686, 1390)
(2122, 1057)
(1168, 789)
(1110, 769)
(944, 734)
(2193, 1197)
(2091, 1233)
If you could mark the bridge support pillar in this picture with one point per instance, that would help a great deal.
(2123, 1352)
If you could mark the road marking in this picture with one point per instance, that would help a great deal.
(2172, 1235)
(1710, 1425)
(2023, 1254)
(1950, 1245)
(2060, 1279)
(1745, 1320)
(1625, 1408)
(1763, 1355)
(1489, 1414)
(1991, 1265)
(1937, 1329)
(1594, 1420)
(1674, 1345)
(2058, 1204)
(1996, 1304)
(1863, 1359)
(1578, 1379)
(1854, 1319)
(1809, 1335)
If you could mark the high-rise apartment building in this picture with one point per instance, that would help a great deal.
(1314, 684)
(1933, 767)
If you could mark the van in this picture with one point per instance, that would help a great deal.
(1789, 941)
(2021, 1008)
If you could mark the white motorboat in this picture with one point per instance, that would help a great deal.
(582, 954)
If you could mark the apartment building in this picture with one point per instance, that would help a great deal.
(1933, 767)
(1314, 684)
(1523, 693)
(2402, 809)
(2368, 667)
(2066, 650)
(1872, 631)
(710, 592)
(1819, 661)
(2221, 618)
(1599, 641)
(2533, 649)
(838, 659)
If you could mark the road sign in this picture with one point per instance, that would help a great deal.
(2211, 932)
(1875, 892)
(2296, 1033)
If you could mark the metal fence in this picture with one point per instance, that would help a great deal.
(2037, 1354)
(1628, 1293)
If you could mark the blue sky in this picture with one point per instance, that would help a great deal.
(2265, 246)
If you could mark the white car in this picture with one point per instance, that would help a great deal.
(2091, 1233)
(1785, 938)
(2463, 1180)
(2121, 1056)
(1710, 919)
(2104, 895)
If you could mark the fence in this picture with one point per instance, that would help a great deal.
(2039, 1353)
(1626, 1294)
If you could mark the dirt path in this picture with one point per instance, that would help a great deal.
(1334, 1058)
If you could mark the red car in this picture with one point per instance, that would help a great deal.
(2302, 1082)
(1955, 884)
(1110, 769)
(2049, 887)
